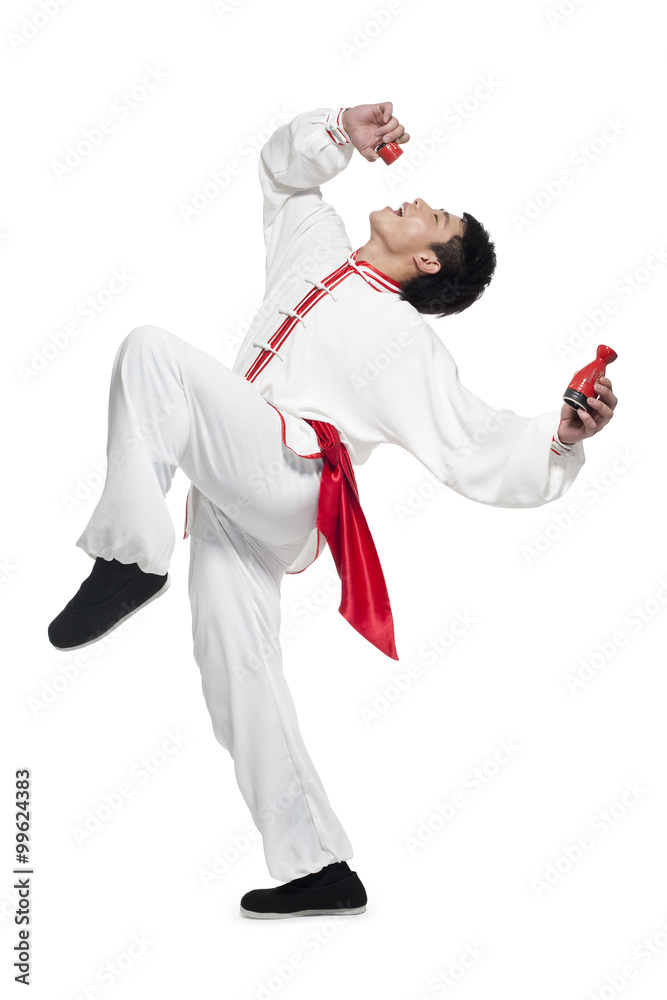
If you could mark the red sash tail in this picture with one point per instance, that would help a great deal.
(364, 601)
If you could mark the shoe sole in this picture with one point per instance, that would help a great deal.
(299, 913)
(91, 642)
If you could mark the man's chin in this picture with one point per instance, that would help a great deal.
(375, 219)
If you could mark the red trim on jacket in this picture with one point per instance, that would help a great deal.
(392, 286)
(311, 299)
(317, 454)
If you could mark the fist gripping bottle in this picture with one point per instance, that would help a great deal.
(581, 388)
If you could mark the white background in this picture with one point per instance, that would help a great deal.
(545, 594)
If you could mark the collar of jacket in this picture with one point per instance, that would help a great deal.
(381, 282)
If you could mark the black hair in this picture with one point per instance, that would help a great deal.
(467, 264)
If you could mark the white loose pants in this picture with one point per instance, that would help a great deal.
(253, 506)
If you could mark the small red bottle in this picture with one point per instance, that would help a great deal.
(389, 151)
(581, 388)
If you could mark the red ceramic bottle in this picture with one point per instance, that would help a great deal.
(389, 151)
(581, 388)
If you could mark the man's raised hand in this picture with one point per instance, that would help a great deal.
(370, 124)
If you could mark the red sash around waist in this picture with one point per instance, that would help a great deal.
(364, 600)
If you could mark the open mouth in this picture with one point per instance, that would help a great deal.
(398, 211)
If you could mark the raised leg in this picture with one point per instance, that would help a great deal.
(172, 405)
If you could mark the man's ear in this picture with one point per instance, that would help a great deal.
(426, 262)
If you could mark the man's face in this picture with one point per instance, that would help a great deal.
(412, 227)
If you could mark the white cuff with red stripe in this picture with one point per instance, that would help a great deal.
(334, 127)
(560, 449)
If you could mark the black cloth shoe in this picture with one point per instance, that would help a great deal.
(112, 593)
(334, 889)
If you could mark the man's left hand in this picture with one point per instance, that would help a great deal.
(575, 425)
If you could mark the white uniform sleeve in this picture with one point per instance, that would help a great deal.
(298, 157)
(492, 456)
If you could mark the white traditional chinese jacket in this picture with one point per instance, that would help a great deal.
(333, 341)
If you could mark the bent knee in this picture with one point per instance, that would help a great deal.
(147, 340)
(146, 334)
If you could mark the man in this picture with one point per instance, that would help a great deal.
(338, 360)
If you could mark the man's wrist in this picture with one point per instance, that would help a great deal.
(560, 447)
(335, 127)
